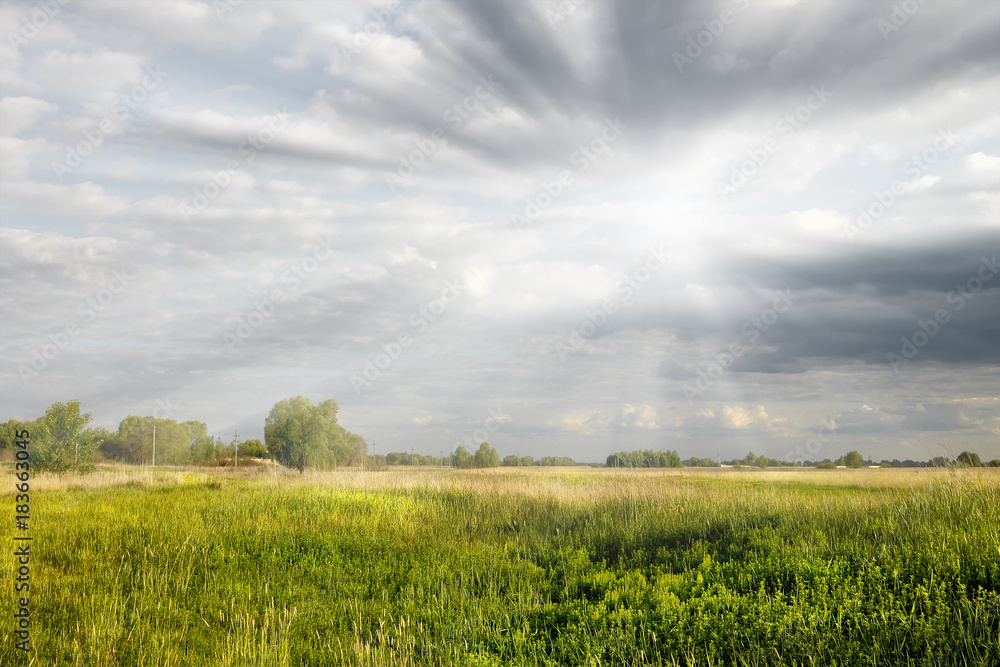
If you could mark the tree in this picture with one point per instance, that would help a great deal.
(59, 442)
(486, 456)
(512, 461)
(527, 460)
(300, 435)
(8, 429)
(762, 461)
(253, 449)
(201, 444)
(970, 459)
(461, 458)
(853, 459)
(993, 463)
(135, 441)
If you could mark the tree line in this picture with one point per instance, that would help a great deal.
(297, 434)
(300, 435)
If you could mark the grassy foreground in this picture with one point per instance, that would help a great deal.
(513, 567)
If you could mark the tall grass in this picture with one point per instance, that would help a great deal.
(514, 567)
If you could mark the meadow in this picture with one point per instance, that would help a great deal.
(512, 567)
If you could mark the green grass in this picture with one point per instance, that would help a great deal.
(514, 567)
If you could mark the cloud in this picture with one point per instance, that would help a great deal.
(356, 114)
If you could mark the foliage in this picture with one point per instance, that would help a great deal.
(969, 459)
(59, 441)
(644, 459)
(486, 457)
(134, 443)
(461, 458)
(408, 459)
(827, 465)
(853, 459)
(253, 448)
(554, 461)
(300, 435)
(696, 462)
(8, 429)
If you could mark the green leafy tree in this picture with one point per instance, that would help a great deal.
(512, 461)
(253, 448)
(356, 448)
(486, 457)
(59, 442)
(461, 458)
(300, 435)
(8, 432)
(970, 459)
(527, 460)
(201, 443)
(853, 459)
(135, 441)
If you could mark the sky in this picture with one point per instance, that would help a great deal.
(567, 227)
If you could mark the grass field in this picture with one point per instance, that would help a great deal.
(513, 567)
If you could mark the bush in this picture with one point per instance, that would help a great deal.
(827, 465)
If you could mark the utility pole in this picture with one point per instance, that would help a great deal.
(236, 449)
(154, 444)
(411, 455)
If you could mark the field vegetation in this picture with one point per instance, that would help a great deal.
(513, 566)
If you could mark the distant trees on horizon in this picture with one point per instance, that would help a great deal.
(645, 458)
(298, 434)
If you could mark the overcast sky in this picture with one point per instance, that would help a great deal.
(567, 227)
